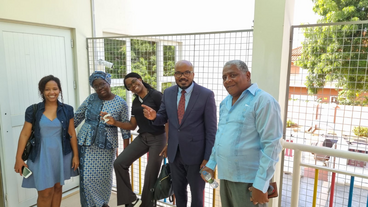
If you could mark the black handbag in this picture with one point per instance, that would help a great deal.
(163, 186)
(28, 148)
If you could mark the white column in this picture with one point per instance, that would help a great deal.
(159, 65)
(128, 70)
(272, 21)
(296, 178)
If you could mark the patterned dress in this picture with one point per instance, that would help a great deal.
(97, 142)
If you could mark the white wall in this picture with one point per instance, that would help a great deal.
(270, 53)
(139, 17)
(75, 15)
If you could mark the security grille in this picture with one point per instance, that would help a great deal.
(327, 96)
(154, 57)
(327, 107)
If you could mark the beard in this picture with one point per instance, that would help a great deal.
(184, 87)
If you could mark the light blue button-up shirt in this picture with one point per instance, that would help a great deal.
(247, 140)
(188, 92)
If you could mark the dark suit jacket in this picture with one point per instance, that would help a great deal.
(196, 134)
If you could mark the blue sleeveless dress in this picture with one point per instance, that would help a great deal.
(50, 166)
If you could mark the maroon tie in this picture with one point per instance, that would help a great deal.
(181, 107)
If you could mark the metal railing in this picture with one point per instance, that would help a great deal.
(137, 172)
(297, 164)
(323, 60)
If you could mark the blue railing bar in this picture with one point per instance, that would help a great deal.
(351, 191)
(334, 170)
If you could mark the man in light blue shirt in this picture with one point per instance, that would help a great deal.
(247, 143)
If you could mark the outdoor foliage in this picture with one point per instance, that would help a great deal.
(360, 131)
(143, 61)
(337, 53)
(290, 123)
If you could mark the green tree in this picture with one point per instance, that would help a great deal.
(143, 61)
(337, 53)
(115, 52)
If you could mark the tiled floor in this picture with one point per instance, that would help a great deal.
(72, 200)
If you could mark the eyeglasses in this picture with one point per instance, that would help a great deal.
(179, 74)
(99, 86)
(132, 83)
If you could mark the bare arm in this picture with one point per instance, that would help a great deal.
(23, 138)
(126, 143)
(74, 144)
(164, 150)
(131, 125)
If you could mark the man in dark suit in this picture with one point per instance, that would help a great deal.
(191, 112)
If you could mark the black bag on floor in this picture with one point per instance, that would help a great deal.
(163, 186)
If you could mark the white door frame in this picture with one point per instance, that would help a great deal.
(11, 180)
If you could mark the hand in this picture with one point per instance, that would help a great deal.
(257, 196)
(126, 143)
(163, 152)
(19, 163)
(204, 162)
(111, 120)
(209, 170)
(148, 112)
(75, 163)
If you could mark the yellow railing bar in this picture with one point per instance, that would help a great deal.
(131, 167)
(315, 187)
(140, 176)
(214, 192)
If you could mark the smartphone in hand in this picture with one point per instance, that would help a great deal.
(26, 172)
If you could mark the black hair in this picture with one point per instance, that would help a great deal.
(44, 81)
(136, 75)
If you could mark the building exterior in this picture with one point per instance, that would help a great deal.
(39, 38)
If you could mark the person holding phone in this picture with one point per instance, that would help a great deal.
(151, 139)
(98, 141)
(54, 156)
(26, 172)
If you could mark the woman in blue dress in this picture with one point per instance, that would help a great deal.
(54, 156)
(98, 141)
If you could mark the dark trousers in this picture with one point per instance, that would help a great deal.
(182, 175)
(236, 194)
(142, 144)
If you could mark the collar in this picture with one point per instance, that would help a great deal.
(252, 89)
(141, 99)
